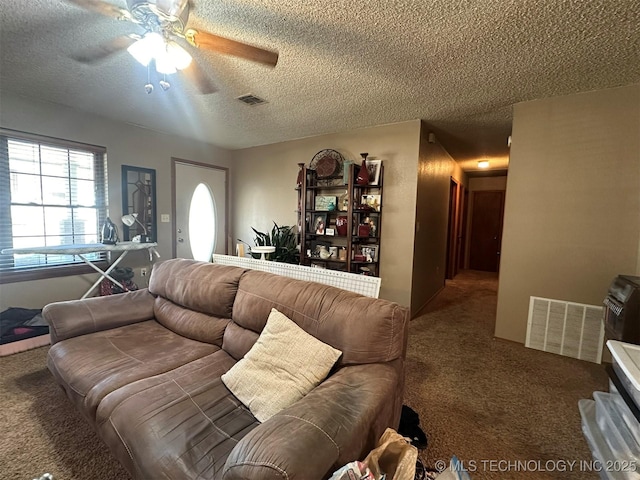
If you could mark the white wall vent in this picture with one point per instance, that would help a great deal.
(570, 329)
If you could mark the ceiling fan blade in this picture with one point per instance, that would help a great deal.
(216, 43)
(103, 8)
(98, 53)
(196, 75)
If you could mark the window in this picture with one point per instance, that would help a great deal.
(52, 192)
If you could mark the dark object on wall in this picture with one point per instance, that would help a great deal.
(139, 198)
(410, 427)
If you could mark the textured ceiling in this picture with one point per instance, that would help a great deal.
(458, 65)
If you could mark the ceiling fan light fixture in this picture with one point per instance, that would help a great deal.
(165, 65)
(147, 48)
(178, 56)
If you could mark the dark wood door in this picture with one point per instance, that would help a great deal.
(486, 230)
(462, 227)
(452, 231)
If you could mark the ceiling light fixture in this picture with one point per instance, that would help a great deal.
(483, 164)
(169, 57)
(145, 49)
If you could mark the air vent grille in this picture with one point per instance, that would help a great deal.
(251, 99)
(570, 329)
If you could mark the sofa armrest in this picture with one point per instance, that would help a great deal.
(337, 422)
(79, 317)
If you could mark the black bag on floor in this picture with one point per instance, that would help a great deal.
(124, 275)
(410, 427)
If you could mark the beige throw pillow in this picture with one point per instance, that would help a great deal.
(283, 366)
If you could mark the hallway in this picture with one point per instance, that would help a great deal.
(488, 400)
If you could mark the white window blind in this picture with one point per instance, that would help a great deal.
(52, 192)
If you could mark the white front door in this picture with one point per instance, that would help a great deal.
(200, 216)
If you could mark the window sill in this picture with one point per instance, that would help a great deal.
(15, 276)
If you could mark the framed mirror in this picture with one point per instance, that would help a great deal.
(139, 202)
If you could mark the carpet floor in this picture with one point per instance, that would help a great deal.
(41, 431)
(491, 401)
(481, 399)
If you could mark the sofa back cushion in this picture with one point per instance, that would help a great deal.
(194, 299)
(194, 325)
(365, 329)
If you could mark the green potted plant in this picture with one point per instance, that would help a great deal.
(281, 237)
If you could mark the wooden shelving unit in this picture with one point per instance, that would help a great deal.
(360, 253)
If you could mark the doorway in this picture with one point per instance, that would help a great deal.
(454, 229)
(199, 209)
(487, 215)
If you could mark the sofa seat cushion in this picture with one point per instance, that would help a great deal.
(90, 366)
(180, 424)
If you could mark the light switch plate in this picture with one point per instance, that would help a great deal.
(164, 218)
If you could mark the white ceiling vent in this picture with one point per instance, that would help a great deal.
(570, 329)
(251, 99)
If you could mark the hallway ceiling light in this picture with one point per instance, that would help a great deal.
(483, 164)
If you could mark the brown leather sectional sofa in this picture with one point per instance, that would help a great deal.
(144, 369)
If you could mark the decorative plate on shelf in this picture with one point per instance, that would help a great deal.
(327, 163)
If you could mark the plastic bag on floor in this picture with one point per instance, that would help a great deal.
(353, 471)
(393, 457)
(455, 471)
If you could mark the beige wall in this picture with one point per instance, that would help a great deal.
(126, 144)
(572, 219)
(435, 169)
(265, 178)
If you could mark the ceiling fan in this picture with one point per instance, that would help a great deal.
(164, 22)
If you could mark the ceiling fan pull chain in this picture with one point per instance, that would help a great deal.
(164, 84)
(148, 87)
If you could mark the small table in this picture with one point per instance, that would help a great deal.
(82, 249)
(263, 250)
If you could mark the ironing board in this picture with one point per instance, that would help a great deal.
(83, 249)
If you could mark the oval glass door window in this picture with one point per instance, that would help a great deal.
(202, 223)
